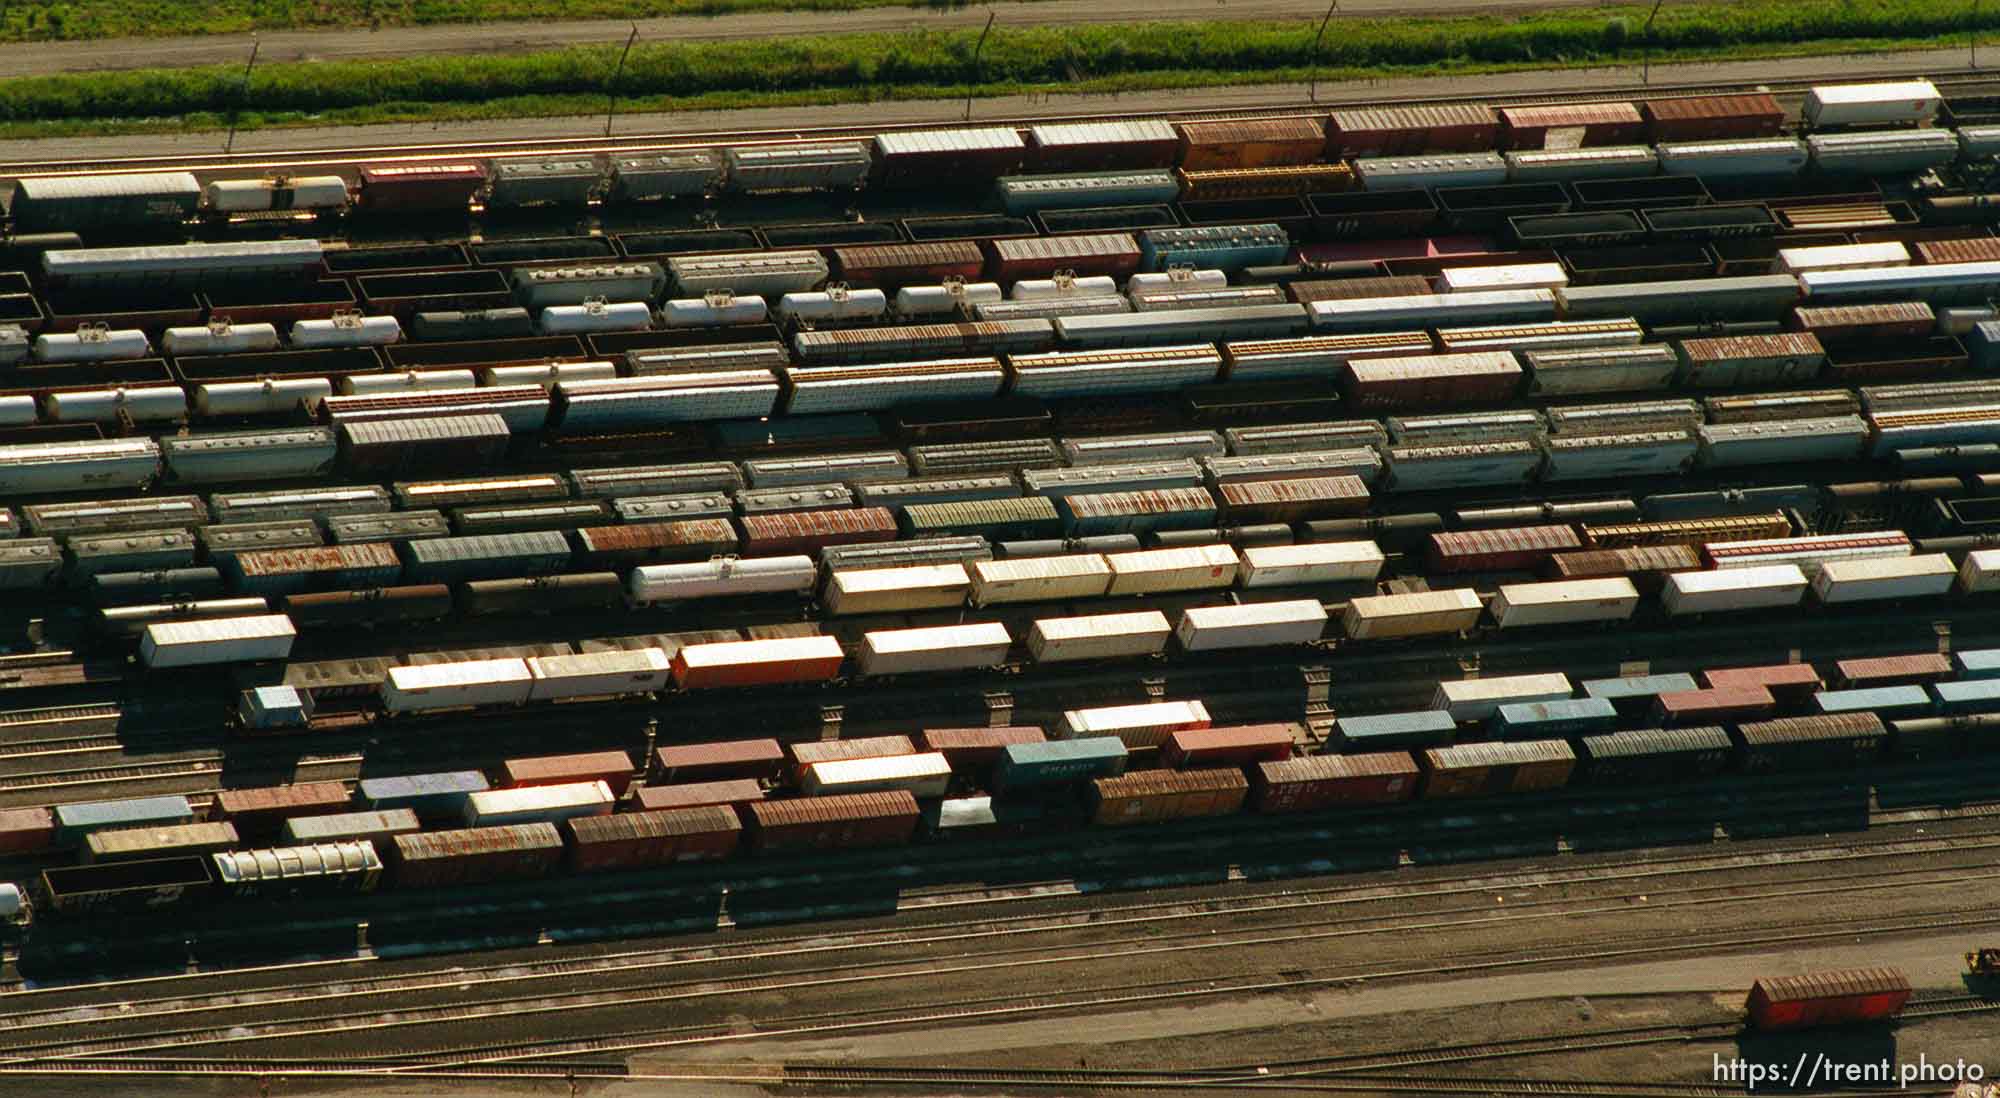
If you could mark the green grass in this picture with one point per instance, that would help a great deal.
(925, 64)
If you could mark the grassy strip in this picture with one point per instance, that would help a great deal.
(923, 64)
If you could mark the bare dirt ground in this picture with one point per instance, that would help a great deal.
(31, 58)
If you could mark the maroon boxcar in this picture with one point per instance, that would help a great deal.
(1252, 142)
(1790, 682)
(1145, 796)
(808, 532)
(268, 807)
(1229, 745)
(1924, 667)
(1834, 998)
(680, 540)
(1419, 381)
(1507, 549)
(1647, 566)
(700, 794)
(1982, 249)
(477, 855)
(961, 155)
(1322, 781)
(613, 768)
(1294, 499)
(895, 265)
(699, 762)
(1835, 324)
(1404, 131)
(1717, 704)
(839, 822)
(25, 830)
(977, 749)
(1712, 117)
(1614, 123)
(629, 840)
(1351, 289)
(416, 188)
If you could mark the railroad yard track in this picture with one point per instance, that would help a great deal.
(1950, 83)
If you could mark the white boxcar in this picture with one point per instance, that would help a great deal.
(1503, 276)
(1152, 571)
(217, 640)
(1099, 636)
(452, 685)
(1416, 614)
(1980, 572)
(937, 648)
(885, 590)
(1844, 257)
(1313, 562)
(1251, 625)
(1146, 725)
(1762, 587)
(38, 468)
(599, 674)
(1884, 578)
(1565, 602)
(924, 776)
(1477, 699)
(1902, 102)
(538, 804)
(1039, 579)
(722, 578)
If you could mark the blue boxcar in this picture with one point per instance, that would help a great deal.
(1883, 701)
(74, 821)
(1393, 731)
(1229, 247)
(430, 795)
(1635, 693)
(1059, 761)
(1978, 663)
(1551, 719)
(1968, 696)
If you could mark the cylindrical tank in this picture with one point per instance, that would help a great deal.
(1262, 533)
(219, 337)
(270, 396)
(17, 411)
(13, 906)
(713, 311)
(347, 330)
(597, 316)
(1038, 289)
(833, 303)
(307, 192)
(405, 381)
(548, 375)
(946, 299)
(1153, 282)
(92, 344)
(145, 404)
(1961, 320)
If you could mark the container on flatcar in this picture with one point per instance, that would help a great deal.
(758, 662)
(1412, 614)
(1059, 762)
(349, 826)
(217, 640)
(978, 750)
(132, 843)
(757, 760)
(76, 820)
(1731, 589)
(1469, 700)
(1250, 625)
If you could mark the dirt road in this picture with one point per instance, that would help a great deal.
(945, 112)
(23, 59)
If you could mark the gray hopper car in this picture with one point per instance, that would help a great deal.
(222, 457)
(387, 526)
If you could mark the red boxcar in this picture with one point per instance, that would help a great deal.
(632, 839)
(432, 859)
(895, 265)
(1835, 324)
(1145, 796)
(977, 748)
(1615, 123)
(681, 540)
(1230, 745)
(840, 822)
(862, 747)
(24, 830)
(413, 188)
(1983, 249)
(1252, 143)
(699, 794)
(1402, 131)
(1725, 703)
(758, 662)
(1894, 670)
(1647, 566)
(1294, 499)
(269, 806)
(1015, 258)
(1509, 549)
(1828, 998)
(1712, 117)
(613, 768)
(808, 532)
(964, 155)
(1788, 681)
(695, 762)
(1322, 781)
